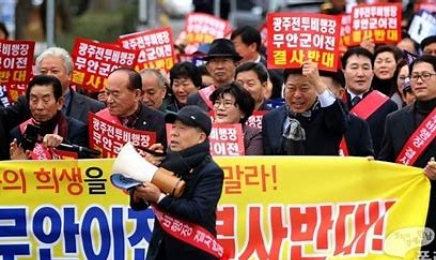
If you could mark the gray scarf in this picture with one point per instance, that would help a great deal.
(294, 134)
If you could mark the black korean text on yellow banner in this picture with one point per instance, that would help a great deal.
(271, 208)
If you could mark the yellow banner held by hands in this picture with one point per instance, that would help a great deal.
(271, 208)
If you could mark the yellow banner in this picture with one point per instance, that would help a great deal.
(272, 208)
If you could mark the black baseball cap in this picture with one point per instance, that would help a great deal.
(192, 116)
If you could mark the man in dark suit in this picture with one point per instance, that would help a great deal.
(358, 72)
(45, 101)
(311, 123)
(403, 124)
(124, 95)
(188, 157)
(57, 62)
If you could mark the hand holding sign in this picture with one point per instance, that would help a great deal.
(368, 43)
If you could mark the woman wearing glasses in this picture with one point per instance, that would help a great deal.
(232, 104)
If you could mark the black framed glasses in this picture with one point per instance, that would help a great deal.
(423, 76)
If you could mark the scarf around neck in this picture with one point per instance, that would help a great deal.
(184, 162)
(49, 126)
(295, 134)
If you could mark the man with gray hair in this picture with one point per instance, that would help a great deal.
(57, 62)
(154, 89)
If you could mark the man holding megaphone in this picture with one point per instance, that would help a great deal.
(188, 157)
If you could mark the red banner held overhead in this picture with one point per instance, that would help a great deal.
(345, 29)
(94, 61)
(204, 28)
(16, 61)
(380, 22)
(293, 38)
(156, 49)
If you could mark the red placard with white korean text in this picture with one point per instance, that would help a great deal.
(226, 140)
(94, 61)
(293, 38)
(255, 120)
(109, 138)
(156, 48)
(16, 61)
(204, 28)
(345, 30)
(380, 22)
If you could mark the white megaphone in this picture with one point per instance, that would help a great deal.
(130, 170)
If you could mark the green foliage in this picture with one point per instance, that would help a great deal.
(100, 26)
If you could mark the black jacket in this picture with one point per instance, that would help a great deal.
(358, 137)
(399, 127)
(77, 134)
(377, 120)
(197, 205)
(324, 130)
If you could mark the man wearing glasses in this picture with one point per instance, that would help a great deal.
(409, 132)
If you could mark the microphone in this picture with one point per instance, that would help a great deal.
(78, 149)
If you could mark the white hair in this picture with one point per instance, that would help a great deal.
(55, 52)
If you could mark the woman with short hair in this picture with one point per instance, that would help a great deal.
(185, 78)
(234, 105)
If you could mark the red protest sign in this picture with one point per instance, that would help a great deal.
(156, 49)
(345, 29)
(94, 61)
(380, 22)
(109, 138)
(16, 61)
(293, 38)
(226, 140)
(255, 120)
(204, 28)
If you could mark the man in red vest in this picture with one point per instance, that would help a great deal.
(410, 132)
